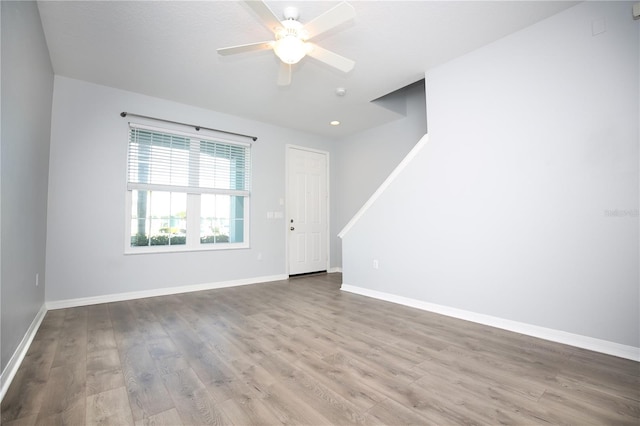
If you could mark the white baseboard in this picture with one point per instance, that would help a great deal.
(335, 269)
(577, 340)
(118, 297)
(16, 359)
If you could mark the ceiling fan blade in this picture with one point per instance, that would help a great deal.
(269, 19)
(330, 58)
(284, 74)
(242, 48)
(330, 19)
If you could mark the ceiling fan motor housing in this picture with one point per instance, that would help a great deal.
(291, 12)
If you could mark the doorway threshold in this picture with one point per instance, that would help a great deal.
(308, 274)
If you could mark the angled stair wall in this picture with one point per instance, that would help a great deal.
(521, 211)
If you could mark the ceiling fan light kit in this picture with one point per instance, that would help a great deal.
(290, 50)
(290, 44)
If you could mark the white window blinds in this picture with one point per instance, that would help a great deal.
(162, 160)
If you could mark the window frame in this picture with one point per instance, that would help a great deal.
(192, 242)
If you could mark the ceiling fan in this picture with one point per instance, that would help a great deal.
(291, 37)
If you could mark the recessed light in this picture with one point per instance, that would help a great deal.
(335, 123)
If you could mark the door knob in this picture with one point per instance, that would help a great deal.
(292, 228)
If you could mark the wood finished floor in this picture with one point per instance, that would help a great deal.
(302, 352)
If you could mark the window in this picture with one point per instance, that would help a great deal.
(186, 192)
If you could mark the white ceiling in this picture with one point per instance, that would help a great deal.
(167, 49)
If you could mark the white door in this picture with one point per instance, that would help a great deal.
(307, 222)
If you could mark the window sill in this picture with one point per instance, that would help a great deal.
(183, 249)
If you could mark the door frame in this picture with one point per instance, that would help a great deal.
(287, 223)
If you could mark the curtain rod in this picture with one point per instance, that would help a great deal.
(124, 114)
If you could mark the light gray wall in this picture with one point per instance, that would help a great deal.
(27, 88)
(524, 203)
(364, 160)
(85, 241)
